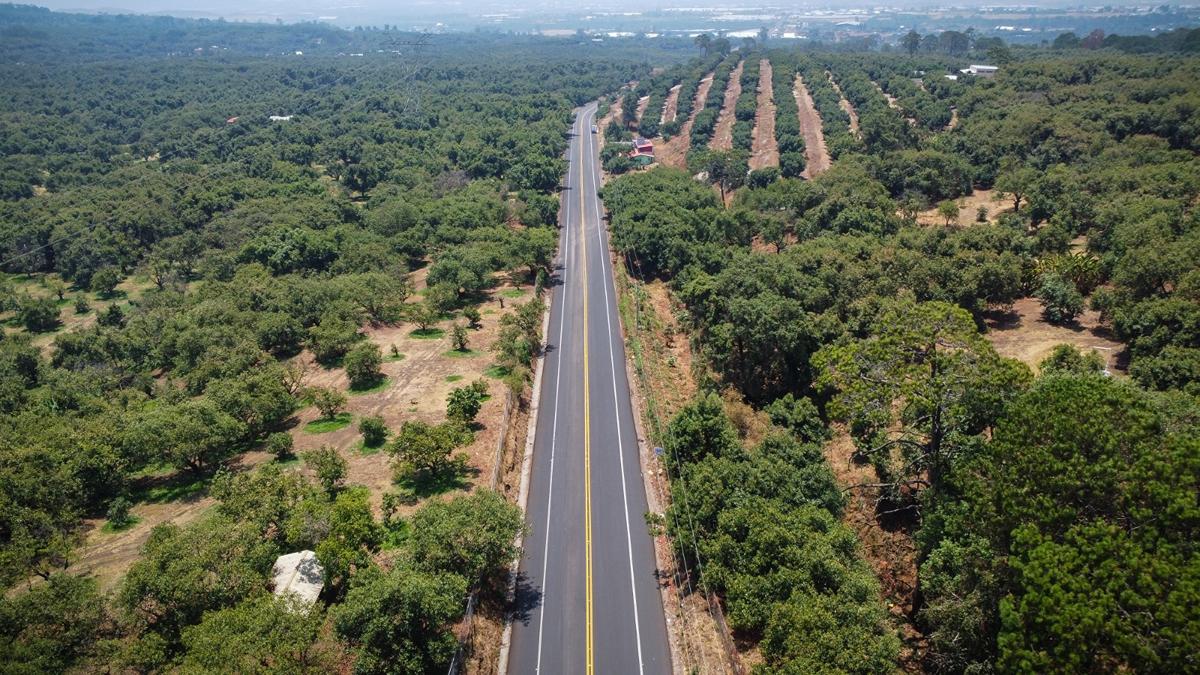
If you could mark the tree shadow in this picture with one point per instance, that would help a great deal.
(423, 484)
(526, 599)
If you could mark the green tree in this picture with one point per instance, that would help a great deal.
(373, 430)
(363, 365)
(948, 209)
(424, 314)
(463, 404)
(53, 626)
(425, 449)
(1061, 303)
(911, 42)
(260, 635)
(459, 337)
(328, 466)
(914, 389)
(1067, 359)
(329, 401)
(400, 620)
(353, 535)
(470, 536)
(280, 444)
(104, 282)
(38, 315)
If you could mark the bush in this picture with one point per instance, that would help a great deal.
(38, 315)
(1061, 302)
(458, 335)
(363, 364)
(104, 282)
(761, 178)
(463, 403)
(373, 430)
(118, 513)
(471, 314)
(328, 401)
(280, 444)
(113, 317)
(81, 304)
(329, 467)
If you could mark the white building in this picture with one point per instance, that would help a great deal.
(299, 575)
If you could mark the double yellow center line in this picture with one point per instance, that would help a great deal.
(587, 423)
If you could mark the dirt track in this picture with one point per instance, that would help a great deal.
(723, 134)
(764, 150)
(816, 155)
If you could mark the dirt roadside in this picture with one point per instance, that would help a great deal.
(673, 153)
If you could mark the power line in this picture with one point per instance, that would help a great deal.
(52, 242)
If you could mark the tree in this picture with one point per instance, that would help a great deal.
(1016, 180)
(194, 434)
(373, 430)
(104, 282)
(38, 315)
(52, 626)
(118, 515)
(330, 339)
(470, 536)
(425, 449)
(916, 388)
(184, 572)
(459, 337)
(329, 466)
(948, 209)
(362, 364)
(261, 635)
(352, 536)
(471, 314)
(424, 314)
(400, 620)
(1066, 359)
(463, 404)
(704, 42)
(329, 401)
(1061, 303)
(280, 444)
(911, 42)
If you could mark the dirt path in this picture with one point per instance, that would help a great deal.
(764, 150)
(894, 104)
(723, 134)
(671, 105)
(845, 104)
(673, 153)
(953, 119)
(816, 154)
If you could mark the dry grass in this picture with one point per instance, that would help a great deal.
(764, 149)
(1024, 335)
(968, 210)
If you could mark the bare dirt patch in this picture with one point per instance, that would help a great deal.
(673, 153)
(1024, 335)
(816, 154)
(764, 150)
(845, 104)
(891, 552)
(671, 107)
(968, 210)
(723, 134)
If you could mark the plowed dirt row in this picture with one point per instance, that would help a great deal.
(671, 105)
(845, 104)
(723, 135)
(816, 155)
(673, 153)
(764, 150)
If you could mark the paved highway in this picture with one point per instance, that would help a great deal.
(587, 591)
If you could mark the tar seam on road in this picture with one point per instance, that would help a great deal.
(587, 410)
(562, 310)
(612, 359)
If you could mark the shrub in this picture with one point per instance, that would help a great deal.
(471, 314)
(81, 304)
(329, 467)
(280, 444)
(458, 335)
(463, 404)
(118, 513)
(373, 430)
(38, 315)
(363, 364)
(328, 401)
(104, 282)
(1061, 302)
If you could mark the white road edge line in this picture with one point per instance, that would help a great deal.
(562, 308)
(607, 274)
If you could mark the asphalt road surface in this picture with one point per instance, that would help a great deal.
(587, 588)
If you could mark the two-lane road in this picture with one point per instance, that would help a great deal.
(587, 594)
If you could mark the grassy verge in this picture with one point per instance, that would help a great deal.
(324, 426)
